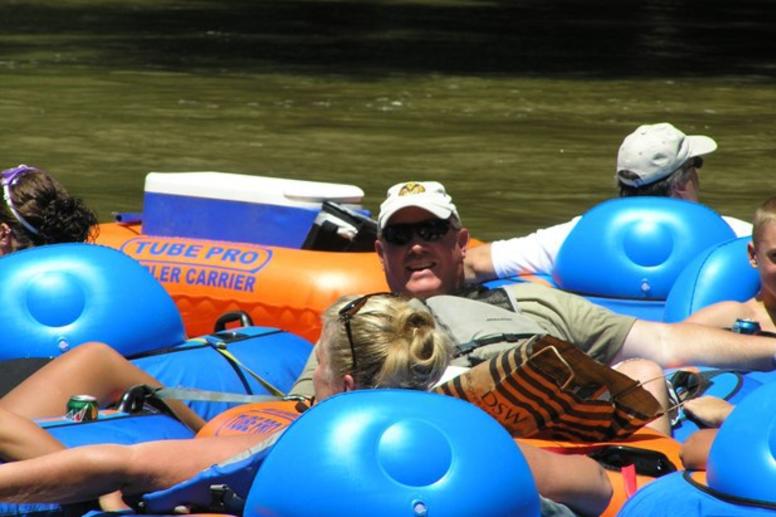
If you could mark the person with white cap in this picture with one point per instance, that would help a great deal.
(368, 342)
(422, 246)
(654, 160)
(438, 267)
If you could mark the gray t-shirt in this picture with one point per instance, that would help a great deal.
(597, 331)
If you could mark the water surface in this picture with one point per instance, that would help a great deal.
(518, 107)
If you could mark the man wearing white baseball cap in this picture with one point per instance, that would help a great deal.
(653, 153)
(654, 160)
(431, 195)
(437, 266)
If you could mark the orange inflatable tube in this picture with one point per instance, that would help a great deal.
(278, 287)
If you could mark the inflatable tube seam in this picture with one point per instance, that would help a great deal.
(743, 501)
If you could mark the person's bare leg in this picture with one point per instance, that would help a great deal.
(21, 438)
(652, 379)
(94, 369)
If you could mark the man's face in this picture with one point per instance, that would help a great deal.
(763, 257)
(420, 267)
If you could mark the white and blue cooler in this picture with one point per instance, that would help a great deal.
(238, 207)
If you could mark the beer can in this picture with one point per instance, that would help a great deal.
(746, 326)
(82, 408)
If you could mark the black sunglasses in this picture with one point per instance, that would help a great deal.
(349, 311)
(646, 462)
(430, 231)
(684, 385)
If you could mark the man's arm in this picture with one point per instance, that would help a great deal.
(680, 344)
(478, 265)
(534, 253)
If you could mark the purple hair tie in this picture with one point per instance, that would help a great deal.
(8, 178)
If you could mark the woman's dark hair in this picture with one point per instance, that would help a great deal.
(43, 204)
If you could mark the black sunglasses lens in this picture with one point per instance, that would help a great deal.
(398, 234)
(429, 231)
(432, 230)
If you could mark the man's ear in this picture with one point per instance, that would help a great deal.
(752, 254)
(687, 189)
(679, 191)
(348, 384)
(463, 239)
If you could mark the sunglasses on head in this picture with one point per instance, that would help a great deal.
(349, 311)
(429, 231)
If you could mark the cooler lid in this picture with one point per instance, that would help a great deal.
(251, 189)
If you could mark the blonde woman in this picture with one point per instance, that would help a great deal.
(374, 341)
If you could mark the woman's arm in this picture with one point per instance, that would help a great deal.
(574, 480)
(85, 473)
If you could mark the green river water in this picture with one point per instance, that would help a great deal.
(518, 107)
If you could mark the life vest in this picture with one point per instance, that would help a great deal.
(479, 328)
